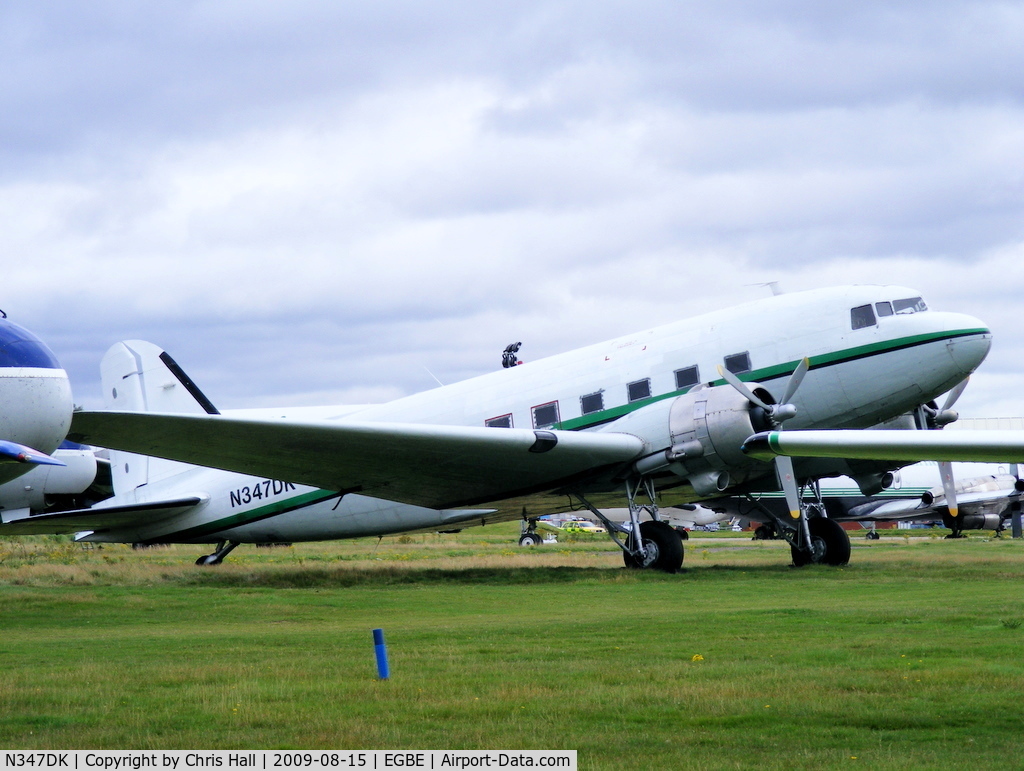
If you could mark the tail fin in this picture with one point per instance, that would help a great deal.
(141, 377)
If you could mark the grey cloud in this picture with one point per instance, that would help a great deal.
(315, 199)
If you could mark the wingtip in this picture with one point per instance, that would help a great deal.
(12, 452)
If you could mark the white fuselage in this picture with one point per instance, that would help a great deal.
(858, 378)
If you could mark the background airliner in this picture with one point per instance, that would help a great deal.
(988, 497)
(651, 419)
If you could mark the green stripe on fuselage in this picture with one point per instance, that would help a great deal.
(249, 516)
(770, 373)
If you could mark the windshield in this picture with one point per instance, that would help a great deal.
(909, 305)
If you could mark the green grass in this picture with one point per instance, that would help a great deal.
(907, 658)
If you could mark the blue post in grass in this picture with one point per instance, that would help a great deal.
(382, 654)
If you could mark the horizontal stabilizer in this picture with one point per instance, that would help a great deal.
(99, 517)
(440, 467)
(12, 452)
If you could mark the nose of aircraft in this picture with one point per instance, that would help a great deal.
(35, 396)
(970, 347)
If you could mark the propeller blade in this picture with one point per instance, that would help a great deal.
(949, 487)
(787, 480)
(955, 394)
(740, 386)
(796, 379)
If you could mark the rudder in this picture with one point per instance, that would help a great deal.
(138, 376)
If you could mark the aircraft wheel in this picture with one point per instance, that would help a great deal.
(530, 539)
(664, 548)
(872, 535)
(208, 559)
(830, 545)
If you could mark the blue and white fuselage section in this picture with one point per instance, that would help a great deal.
(35, 401)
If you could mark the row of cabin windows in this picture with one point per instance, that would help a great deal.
(546, 415)
(864, 315)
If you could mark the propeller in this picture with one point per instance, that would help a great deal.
(1015, 524)
(936, 420)
(782, 410)
(777, 414)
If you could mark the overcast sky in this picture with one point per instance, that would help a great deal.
(318, 202)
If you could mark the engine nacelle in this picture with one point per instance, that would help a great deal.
(31, 490)
(698, 436)
(871, 484)
(973, 521)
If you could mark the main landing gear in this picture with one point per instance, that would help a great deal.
(650, 544)
(223, 549)
(813, 538)
(529, 536)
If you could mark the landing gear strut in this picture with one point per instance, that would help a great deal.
(529, 536)
(223, 549)
(813, 538)
(650, 544)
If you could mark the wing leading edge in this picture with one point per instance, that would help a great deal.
(441, 467)
(981, 446)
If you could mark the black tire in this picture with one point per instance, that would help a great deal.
(663, 542)
(832, 544)
(530, 539)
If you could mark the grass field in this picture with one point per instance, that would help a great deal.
(910, 657)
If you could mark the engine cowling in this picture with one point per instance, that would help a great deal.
(698, 436)
(32, 490)
(973, 522)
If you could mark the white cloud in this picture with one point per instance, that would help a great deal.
(317, 201)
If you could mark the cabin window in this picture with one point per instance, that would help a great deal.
(862, 316)
(687, 376)
(909, 305)
(592, 403)
(502, 421)
(738, 362)
(883, 309)
(641, 389)
(545, 415)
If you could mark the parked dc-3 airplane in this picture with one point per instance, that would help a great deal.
(655, 418)
(35, 404)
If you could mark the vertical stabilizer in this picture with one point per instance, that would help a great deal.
(140, 377)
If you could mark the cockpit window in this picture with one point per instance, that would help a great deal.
(20, 348)
(883, 309)
(862, 316)
(909, 305)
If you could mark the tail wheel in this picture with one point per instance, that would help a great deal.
(663, 545)
(830, 545)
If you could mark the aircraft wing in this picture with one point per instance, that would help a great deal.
(441, 467)
(982, 446)
(97, 518)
